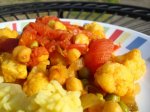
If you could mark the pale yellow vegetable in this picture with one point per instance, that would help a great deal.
(96, 29)
(1, 78)
(57, 58)
(74, 84)
(58, 72)
(13, 70)
(89, 100)
(34, 44)
(97, 107)
(74, 67)
(114, 78)
(73, 54)
(35, 83)
(41, 67)
(57, 25)
(129, 99)
(81, 39)
(8, 33)
(124, 107)
(22, 53)
(134, 62)
(111, 106)
(51, 23)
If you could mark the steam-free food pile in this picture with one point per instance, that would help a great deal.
(54, 66)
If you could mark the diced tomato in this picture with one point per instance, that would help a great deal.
(40, 28)
(100, 51)
(30, 29)
(51, 46)
(73, 29)
(59, 35)
(116, 47)
(26, 38)
(46, 19)
(81, 47)
(36, 53)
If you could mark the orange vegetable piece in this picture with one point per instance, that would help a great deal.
(27, 38)
(36, 53)
(46, 19)
(100, 51)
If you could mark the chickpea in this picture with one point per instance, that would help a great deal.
(22, 53)
(111, 106)
(74, 84)
(73, 54)
(81, 39)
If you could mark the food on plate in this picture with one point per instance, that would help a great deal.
(49, 99)
(12, 69)
(134, 62)
(114, 78)
(55, 66)
(35, 83)
(8, 33)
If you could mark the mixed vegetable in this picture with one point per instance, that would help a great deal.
(79, 58)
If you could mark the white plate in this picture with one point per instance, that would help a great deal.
(128, 39)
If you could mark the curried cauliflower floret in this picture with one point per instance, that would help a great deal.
(7, 33)
(134, 62)
(95, 28)
(12, 70)
(58, 72)
(34, 83)
(55, 99)
(114, 78)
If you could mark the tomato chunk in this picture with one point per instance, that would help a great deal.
(46, 19)
(81, 47)
(36, 53)
(100, 51)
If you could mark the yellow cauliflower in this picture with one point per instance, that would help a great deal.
(12, 70)
(95, 28)
(7, 33)
(58, 72)
(114, 78)
(134, 62)
(34, 83)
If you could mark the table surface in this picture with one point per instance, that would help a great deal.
(144, 3)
